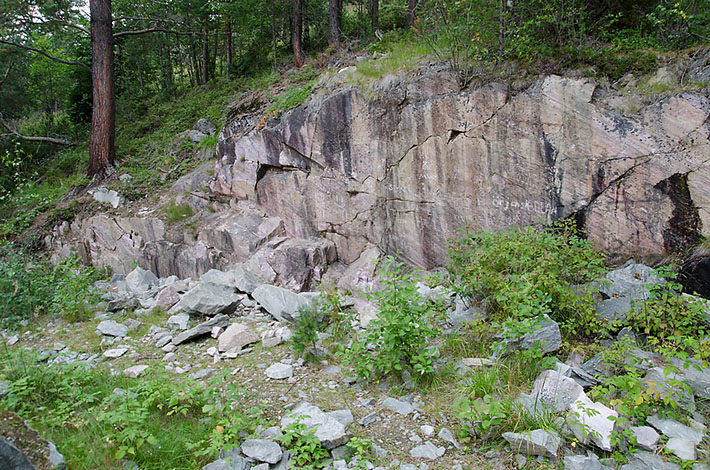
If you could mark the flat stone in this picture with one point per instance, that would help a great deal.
(630, 280)
(202, 329)
(555, 390)
(646, 437)
(163, 341)
(537, 442)
(135, 371)
(112, 328)
(245, 281)
(327, 429)
(202, 373)
(427, 451)
(401, 407)
(369, 419)
(644, 460)
(583, 462)
(263, 450)
(614, 308)
(107, 196)
(546, 333)
(114, 353)
(594, 425)
(344, 416)
(279, 371)
(656, 379)
(672, 428)
(271, 341)
(427, 430)
(684, 449)
(236, 336)
(181, 321)
(447, 436)
(476, 362)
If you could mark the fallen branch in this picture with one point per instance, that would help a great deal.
(50, 140)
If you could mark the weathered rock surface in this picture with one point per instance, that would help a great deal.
(555, 390)
(590, 422)
(537, 442)
(236, 336)
(263, 450)
(281, 303)
(202, 329)
(327, 429)
(112, 328)
(435, 158)
(208, 299)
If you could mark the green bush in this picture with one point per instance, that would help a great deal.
(397, 339)
(670, 320)
(529, 272)
(31, 287)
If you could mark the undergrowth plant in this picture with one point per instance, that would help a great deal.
(529, 272)
(307, 450)
(397, 339)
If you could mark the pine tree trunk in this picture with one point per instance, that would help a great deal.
(102, 154)
(409, 19)
(297, 32)
(334, 19)
(375, 14)
(228, 39)
(205, 54)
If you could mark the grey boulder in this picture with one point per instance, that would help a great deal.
(281, 303)
(112, 328)
(329, 431)
(202, 329)
(208, 299)
(537, 442)
(263, 450)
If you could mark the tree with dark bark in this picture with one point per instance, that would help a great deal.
(102, 151)
(297, 33)
(411, 8)
(335, 16)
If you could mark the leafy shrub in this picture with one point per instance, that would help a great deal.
(667, 313)
(31, 287)
(326, 312)
(307, 450)
(397, 338)
(529, 272)
(305, 334)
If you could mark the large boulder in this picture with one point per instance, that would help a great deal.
(208, 299)
(281, 303)
(329, 431)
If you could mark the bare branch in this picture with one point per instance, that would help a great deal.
(50, 140)
(56, 59)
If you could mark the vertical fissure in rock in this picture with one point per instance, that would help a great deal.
(684, 228)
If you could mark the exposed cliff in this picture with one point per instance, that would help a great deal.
(404, 164)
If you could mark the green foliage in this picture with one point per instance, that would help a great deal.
(158, 422)
(667, 315)
(177, 212)
(74, 294)
(293, 97)
(307, 451)
(305, 334)
(30, 288)
(397, 339)
(529, 272)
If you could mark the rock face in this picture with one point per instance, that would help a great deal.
(404, 164)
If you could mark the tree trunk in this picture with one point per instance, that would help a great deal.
(335, 8)
(228, 40)
(205, 54)
(297, 32)
(102, 154)
(375, 14)
(409, 19)
(273, 34)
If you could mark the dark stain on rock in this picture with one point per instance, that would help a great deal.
(334, 120)
(684, 227)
